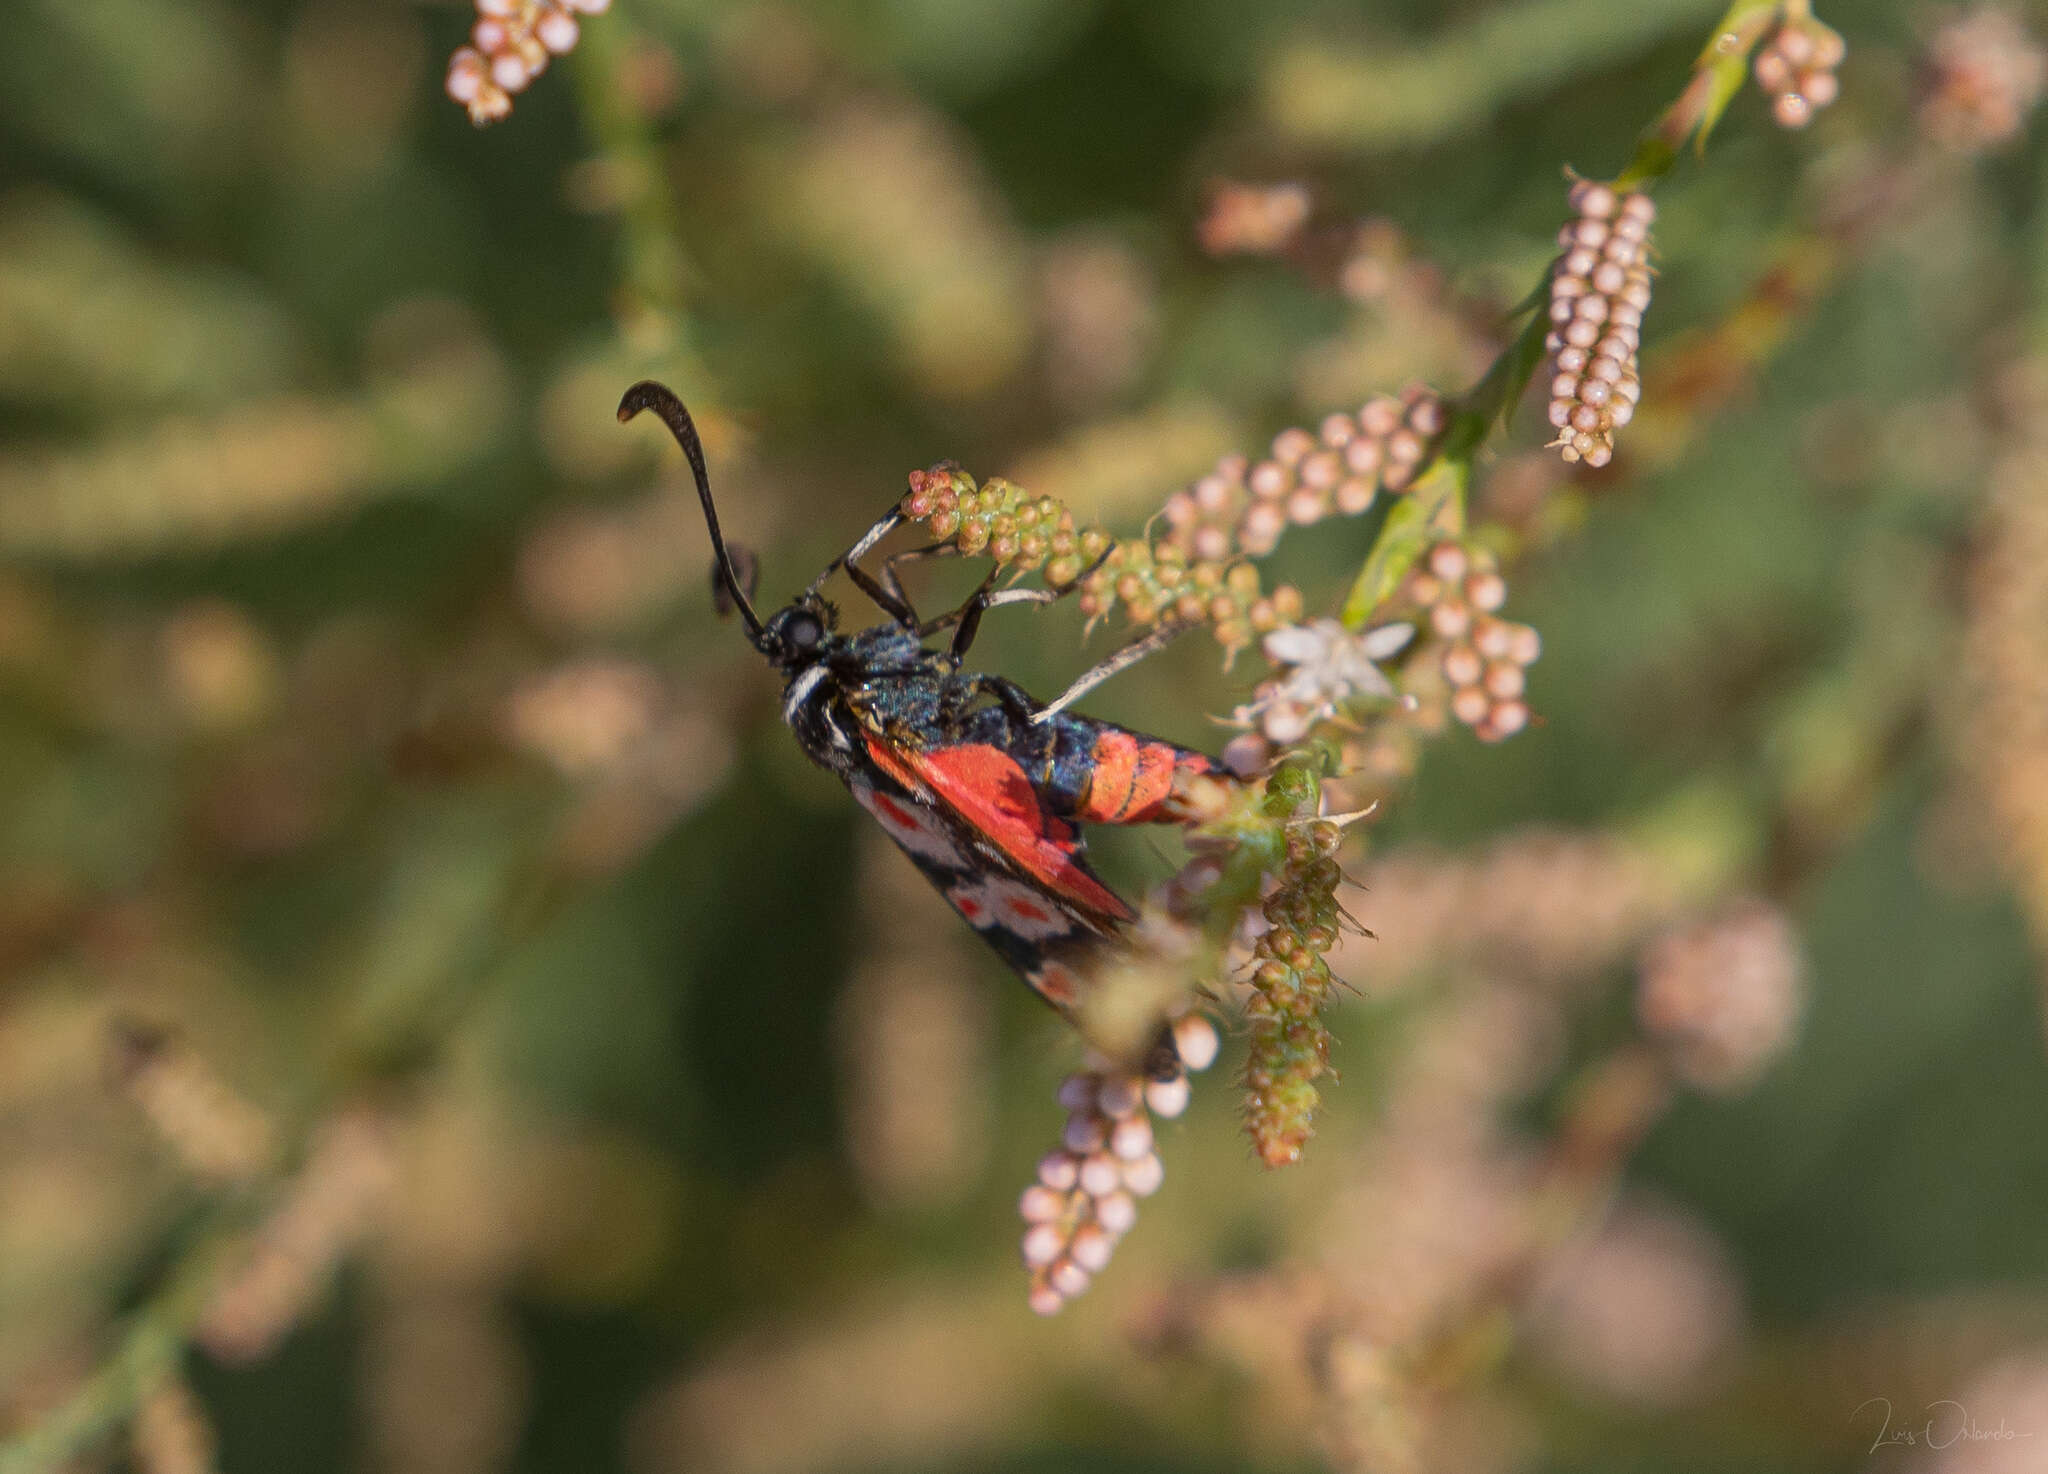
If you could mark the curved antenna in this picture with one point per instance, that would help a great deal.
(662, 400)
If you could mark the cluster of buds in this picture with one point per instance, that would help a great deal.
(1003, 522)
(1193, 571)
(1086, 1195)
(1984, 74)
(1243, 507)
(1599, 289)
(1458, 592)
(513, 41)
(216, 1134)
(1158, 583)
(1253, 219)
(1290, 976)
(1797, 67)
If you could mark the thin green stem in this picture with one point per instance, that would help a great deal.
(151, 1346)
(655, 270)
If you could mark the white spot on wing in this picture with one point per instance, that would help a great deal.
(916, 829)
(995, 900)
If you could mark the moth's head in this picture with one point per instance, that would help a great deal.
(795, 634)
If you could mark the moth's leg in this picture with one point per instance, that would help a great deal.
(968, 615)
(859, 550)
(910, 555)
(1119, 660)
(1014, 698)
(894, 606)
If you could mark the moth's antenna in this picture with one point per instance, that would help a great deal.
(662, 400)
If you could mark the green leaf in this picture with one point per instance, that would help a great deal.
(1434, 507)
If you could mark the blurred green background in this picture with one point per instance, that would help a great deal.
(372, 762)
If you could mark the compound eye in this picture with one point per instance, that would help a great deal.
(804, 633)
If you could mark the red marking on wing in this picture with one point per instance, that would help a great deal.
(1132, 780)
(893, 809)
(990, 793)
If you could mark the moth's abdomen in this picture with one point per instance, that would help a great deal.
(1133, 779)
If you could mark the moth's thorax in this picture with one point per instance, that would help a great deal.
(876, 676)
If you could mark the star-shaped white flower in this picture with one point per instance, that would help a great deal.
(1328, 668)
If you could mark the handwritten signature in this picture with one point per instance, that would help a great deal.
(1948, 1423)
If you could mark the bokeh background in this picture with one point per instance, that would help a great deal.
(445, 1025)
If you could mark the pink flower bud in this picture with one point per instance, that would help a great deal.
(1380, 417)
(1040, 1204)
(1486, 590)
(1069, 1278)
(1084, 1134)
(1120, 1096)
(1116, 1213)
(1132, 1138)
(1594, 201)
(1462, 665)
(1448, 562)
(1060, 1171)
(1144, 1176)
(509, 72)
(465, 75)
(1044, 1299)
(1470, 704)
(558, 31)
(1091, 1248)
(1042, 1243)
(1289, 446)
(1167, 1098)
(1100, 1174)
(1194, 1039)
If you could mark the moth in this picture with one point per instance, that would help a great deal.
(983, 787)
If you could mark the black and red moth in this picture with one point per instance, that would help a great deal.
(983, 787)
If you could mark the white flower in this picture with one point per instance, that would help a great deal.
(1331, 668)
